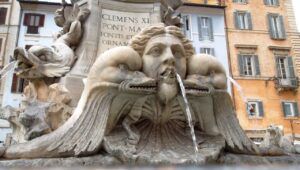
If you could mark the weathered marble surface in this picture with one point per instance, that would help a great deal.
(241, 159)
(227, 161)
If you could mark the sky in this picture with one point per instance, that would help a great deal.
(296, 4)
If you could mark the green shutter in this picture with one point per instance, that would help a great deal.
(249, 21)
(284, 109)
(266, 2)
(261, 109)
(241, 64)
(236, 20)
(200, 28)
(291, 67)
(271, 28)
(278, 67)
(256, 62)
(295, 105)
(282, 28)
(211, 29)
(277, 3)
(234, 0)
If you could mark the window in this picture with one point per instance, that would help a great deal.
(241, 1)
(209, 51)
(255, 109)
(18, 84)
(33, 22)
(3, 12)
(271, 2)
(290, 109)
(205, 28)
(243, 20)
(186, 28)
(276, 27)
(248, 65)
(285, 68)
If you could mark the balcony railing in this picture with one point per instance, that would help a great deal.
(291, 83)
(207, 2)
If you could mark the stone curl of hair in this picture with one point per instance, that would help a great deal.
(139, 41)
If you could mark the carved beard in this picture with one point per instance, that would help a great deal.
(167, 86)
(166, 92)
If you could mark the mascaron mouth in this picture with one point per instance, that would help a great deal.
(168, 75)
(197, 89)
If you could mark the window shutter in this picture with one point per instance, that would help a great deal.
(236, 20)
(26, 19)
(278, 67)
(266, 2)
(282, 29)
(42, 20)
(249, 21)
(212, 51)
(291, 67)
(260, 109)
(200, 28)
(256, 62)
(234, 0)
(248, 109)
(0, 47)
(14, 83)
(277, 3)
(3, 12)
(241, 64)
(271, 28)
(185, 24)
(201, 50)
(296, 109)
(284, 109)
(211, 29)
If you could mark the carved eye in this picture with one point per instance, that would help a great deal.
(177, 52)
(155, 51)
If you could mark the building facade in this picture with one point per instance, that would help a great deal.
(37, 27)
(204, 24)
(26, 23)
(262, 60)
(9, 26)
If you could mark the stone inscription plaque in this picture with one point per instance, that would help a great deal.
(118, 27)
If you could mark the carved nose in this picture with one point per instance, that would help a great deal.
(169, 58)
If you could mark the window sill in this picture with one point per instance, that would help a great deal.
(274, 6)
(244, 29)
(291, 118)
(241, 3)
(254, 118)
(278, 39)
(28, 34)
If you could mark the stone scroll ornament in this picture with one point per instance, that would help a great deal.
(46, 106)
(131, 107)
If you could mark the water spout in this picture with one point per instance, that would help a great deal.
(241, 93)
(188, 112)
(8, 68)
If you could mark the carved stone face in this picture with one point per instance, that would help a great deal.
(164, 55)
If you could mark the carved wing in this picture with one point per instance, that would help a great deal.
(229, 126)
(85, 137)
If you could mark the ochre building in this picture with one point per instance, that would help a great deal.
(263, 59)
